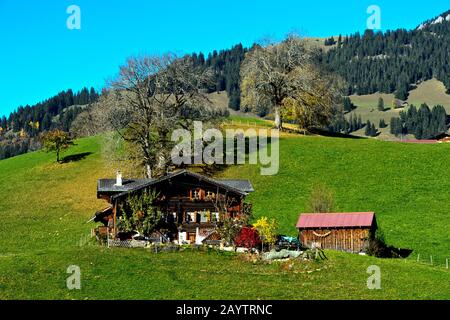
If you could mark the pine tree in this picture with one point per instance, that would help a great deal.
(380, 104)
(350, 124)
(402, 91)
(360, 124)
(3, 123)
(348, 105)
(373, 130)
(368, 129)
(355, 124)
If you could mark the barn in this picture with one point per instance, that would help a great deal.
(344, 231)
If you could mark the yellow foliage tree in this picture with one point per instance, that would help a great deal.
(57, 141)
(267, 230)
(22, 133)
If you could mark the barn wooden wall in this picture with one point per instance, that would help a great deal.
(352, 240)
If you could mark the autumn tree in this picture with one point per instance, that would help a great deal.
(152, 96)
(267, 230)
(315, 102)
(57, 141)
(283, 75)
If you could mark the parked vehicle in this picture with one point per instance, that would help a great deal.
(288, 243)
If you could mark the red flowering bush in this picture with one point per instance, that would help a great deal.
(247, 238)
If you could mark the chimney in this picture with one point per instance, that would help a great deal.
(118, 179)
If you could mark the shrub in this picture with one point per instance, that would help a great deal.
(267, 229)
(247, 238)
(321, 199)
(139, 215)
(378, 247)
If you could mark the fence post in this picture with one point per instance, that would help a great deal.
(431, 260)
(446, 263)
(418, 257)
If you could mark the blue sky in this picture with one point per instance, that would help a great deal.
(40, 56)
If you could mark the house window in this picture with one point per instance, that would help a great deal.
(196, 195)
(210, 195)
(203, 216)
(191, 217)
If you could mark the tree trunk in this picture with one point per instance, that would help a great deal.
(148, 171)
(278, 119)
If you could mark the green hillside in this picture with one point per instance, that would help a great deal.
(45, 206)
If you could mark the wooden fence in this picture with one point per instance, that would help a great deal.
(429, 259)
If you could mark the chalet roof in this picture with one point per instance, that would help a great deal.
(240, 186)
(109, 185)
(335, 220)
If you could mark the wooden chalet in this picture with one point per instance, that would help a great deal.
(347, 231)
(192, 204)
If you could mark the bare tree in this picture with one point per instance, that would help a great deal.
(152, 96)
(89, 122)
(321, 199)
(281, 75)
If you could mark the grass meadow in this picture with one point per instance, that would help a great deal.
(45, 206)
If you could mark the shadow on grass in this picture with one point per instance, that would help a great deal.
(326, 133)
(379, 249)
(75, 157)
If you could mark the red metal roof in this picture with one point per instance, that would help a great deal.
(335, 220)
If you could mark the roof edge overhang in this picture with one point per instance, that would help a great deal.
(175, 174)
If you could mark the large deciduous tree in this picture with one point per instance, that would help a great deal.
(285, 76)
(152, 96)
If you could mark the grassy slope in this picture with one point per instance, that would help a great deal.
(44, 207)
(406, 184)
(431, 92)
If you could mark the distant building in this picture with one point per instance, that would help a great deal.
(346, 231)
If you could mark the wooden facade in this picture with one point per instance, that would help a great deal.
(192, 204)
(349, 232)
(345, 239)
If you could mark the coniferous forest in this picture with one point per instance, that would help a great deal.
(19, 133)
(423, 123)
(226, 65)
(394, 61)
